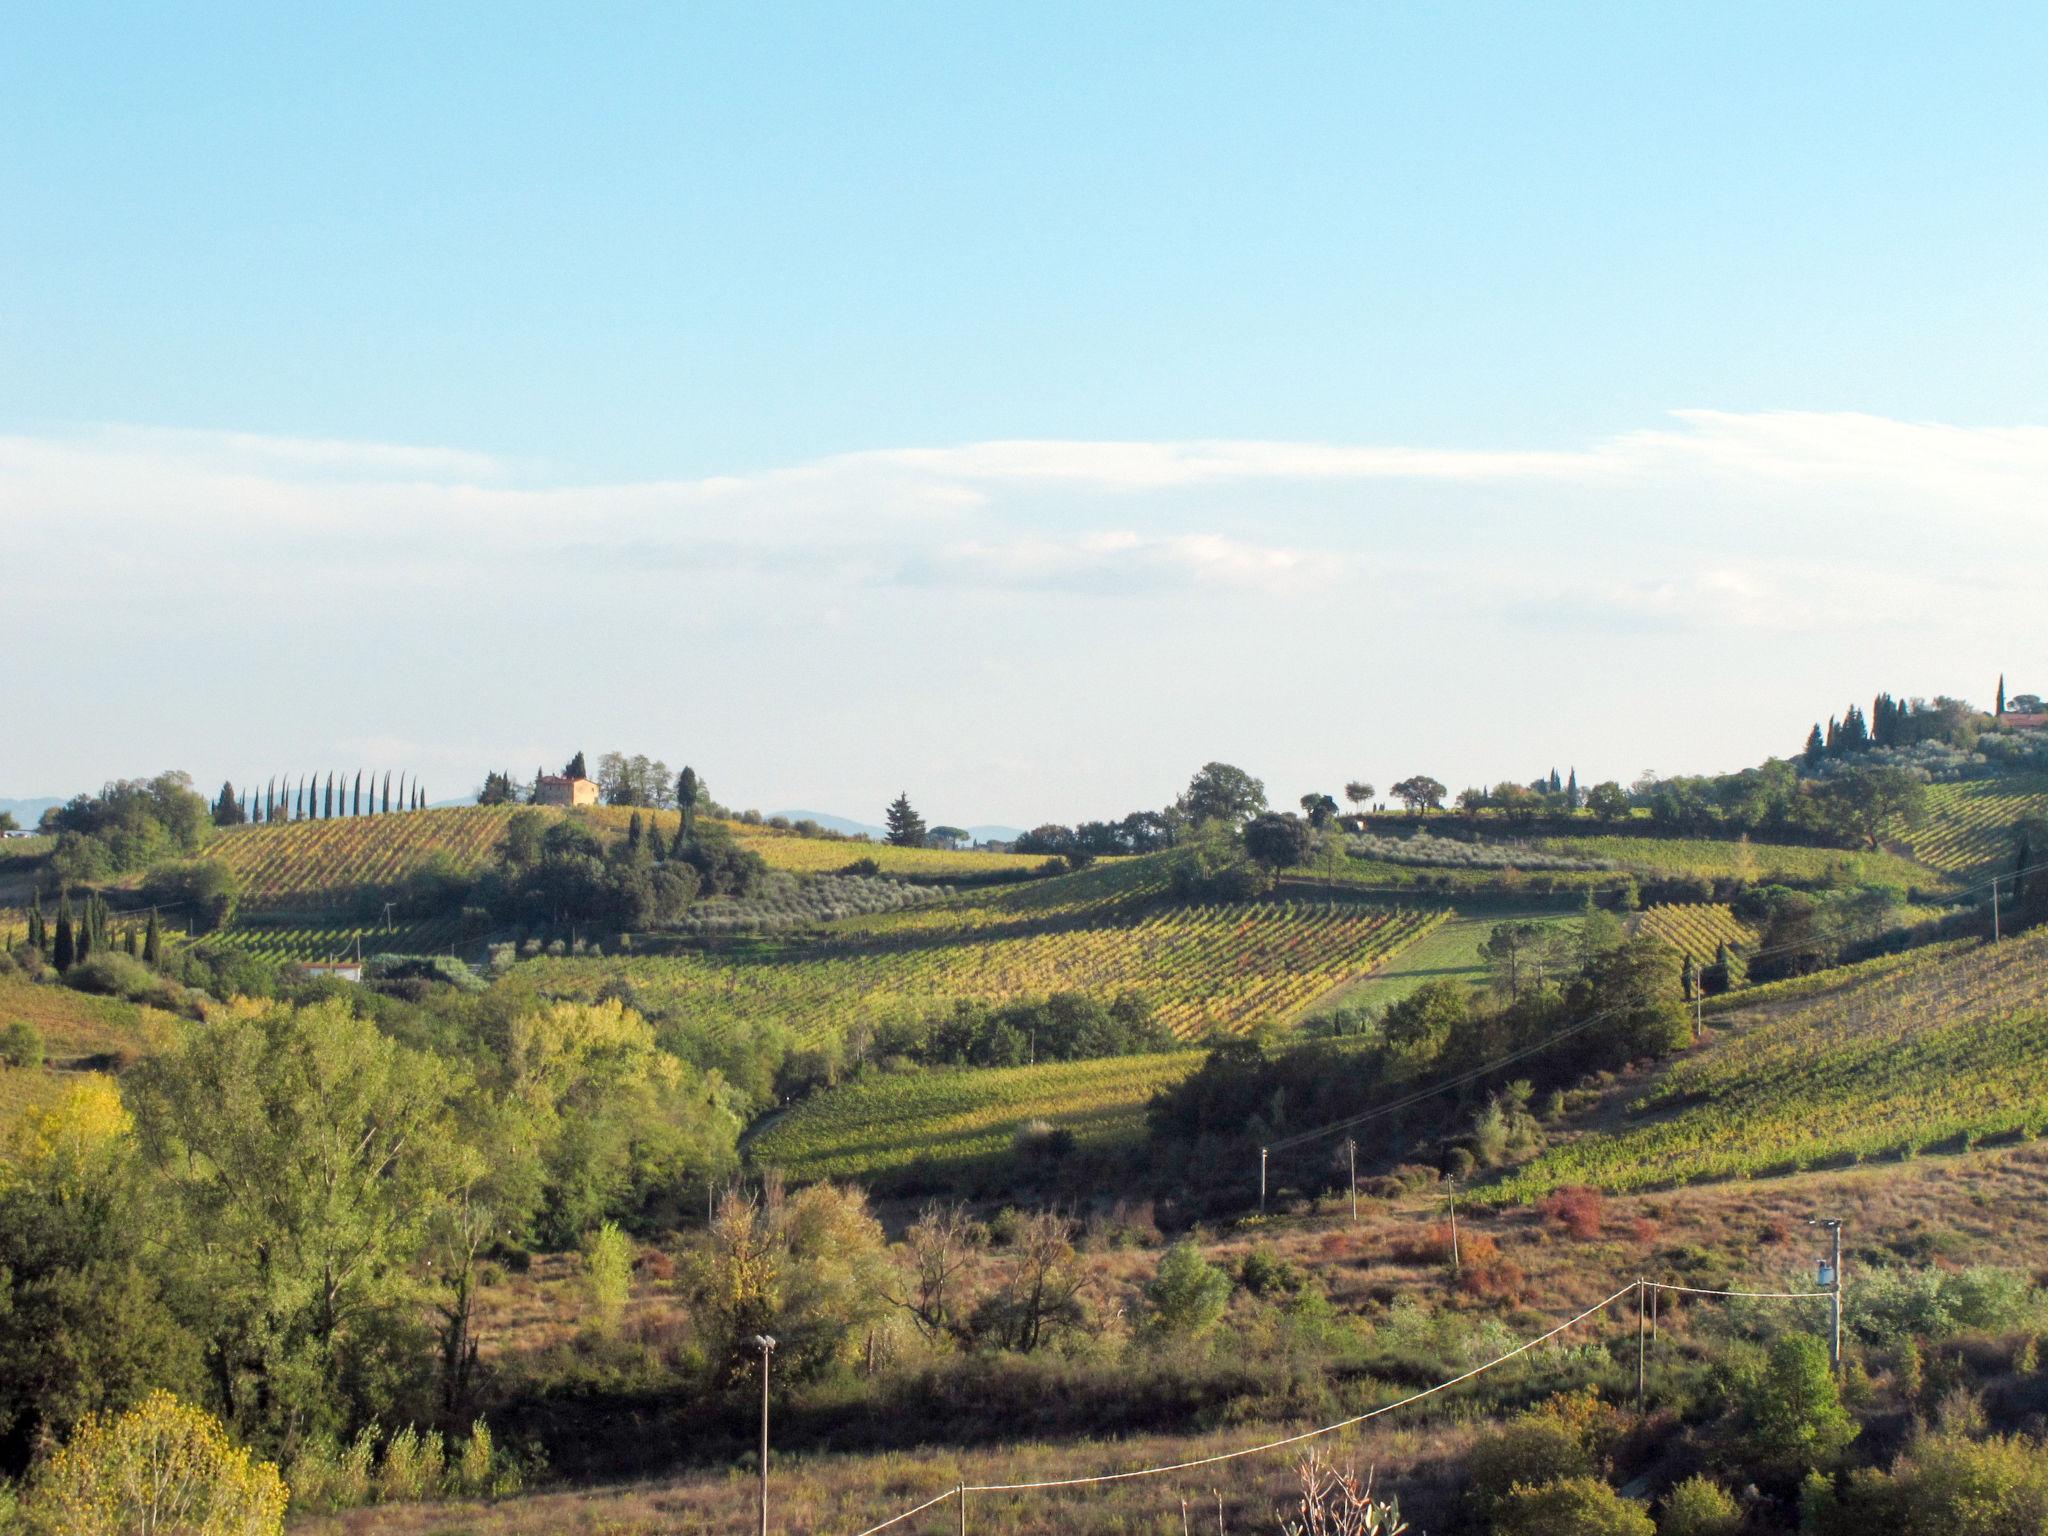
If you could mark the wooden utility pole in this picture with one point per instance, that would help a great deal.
(767, 1345)
(1262, 1181)
(1455, 1265)
(1351, 1157)
(1642, 1344)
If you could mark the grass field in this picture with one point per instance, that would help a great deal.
(1751, 861)
(946, 1119)
(1947, 1047)
(1450, 950)
(1969, 827)
(1696, 929)
(74, 1026)
(313, 864)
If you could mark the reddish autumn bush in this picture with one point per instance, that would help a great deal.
(1576, 1208)
(1488, 1274)
(1645, 1231)
(1430, 1246)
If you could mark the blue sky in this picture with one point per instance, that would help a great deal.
(1452, 388)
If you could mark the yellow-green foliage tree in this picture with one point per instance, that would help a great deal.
(84, 1325)
(162, 1466)
(615, 1119)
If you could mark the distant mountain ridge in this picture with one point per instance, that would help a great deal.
(852, 828)
(29, 812)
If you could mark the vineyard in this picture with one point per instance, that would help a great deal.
(340, 941)
(1202, 968)
(1709, 857)
(1970, 826)
(1696, 930)
(943, 1120)
(312, 864)
(1942, 1050)
(307, 864)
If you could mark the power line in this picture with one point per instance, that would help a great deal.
(1639, 1287)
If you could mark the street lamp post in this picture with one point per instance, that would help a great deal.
(767, 1347)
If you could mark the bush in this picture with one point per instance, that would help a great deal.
(608, 1275)
(1579, 1209)
(112, 974)
(161, 1466)
(1187, 1296)
(1570, 1506)
(412, 1466)
(1699, 1507)
(1263, 1273)
(21, 1044)
(326, 1475)
(1487, 1273)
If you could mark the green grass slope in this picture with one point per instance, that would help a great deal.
(948, 1120)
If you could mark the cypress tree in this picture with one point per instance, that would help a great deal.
(1571, 790)
(153, 942)
(131, 943)
(387, 792)
(329, 811)
(66, 952)
(1816, 746)
(687, 790)
(38, 925)
(358, 803)
(2001, 693)
(634, 833)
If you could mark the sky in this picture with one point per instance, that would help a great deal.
(1018, 406)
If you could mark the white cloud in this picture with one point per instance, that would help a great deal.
(1120, 560)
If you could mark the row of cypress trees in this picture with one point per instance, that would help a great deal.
(79, 934)
(311, 801)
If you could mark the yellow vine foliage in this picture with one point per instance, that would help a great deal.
(163, 1467)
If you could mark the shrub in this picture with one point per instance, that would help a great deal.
(1187, 1296)
(1577, 1208)
(112, 974)
(1699, 1507)
(1264, 1273)
(608, 1275)
(161, 1466)
(412, 1466)
(327, 1476)
(1487, 1273)
(474, 1476)
(1528, 1449)
(21, 1044)
(1570, 1506)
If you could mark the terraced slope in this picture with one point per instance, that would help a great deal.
(1948, 1048)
